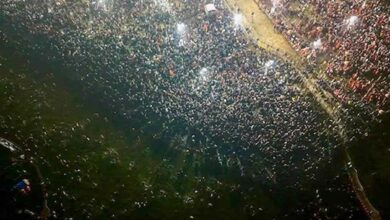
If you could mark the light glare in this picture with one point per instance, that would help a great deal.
(238, 19)
(203, 71)
(317, 44)
(181, 28)
(352, 21)
(269, 63)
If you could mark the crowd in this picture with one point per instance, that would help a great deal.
(351, 37)
(152, 61)
(204, 75)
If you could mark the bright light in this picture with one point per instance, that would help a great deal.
(352, 21)
(101, 4)
(238, 19)
(203, 71)
(317, 44)
(269, 63)
(181, 28)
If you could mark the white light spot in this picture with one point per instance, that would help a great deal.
(102, 4)
(203, 71)
(269, 63)
(181, 28)
(317, 44)
(238, 18)
(352, 21)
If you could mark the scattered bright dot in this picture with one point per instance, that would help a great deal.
(181, 28)
(238, 19)
(102, 4)
(203, 71)
(352, 21)
(269, 63)
(317, 44)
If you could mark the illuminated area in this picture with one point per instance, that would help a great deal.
(101, 4)
(317, 44)
(238, 18)
(203, 71)
(181, 28)
(352, 21)
(269, 63)
(162, 109)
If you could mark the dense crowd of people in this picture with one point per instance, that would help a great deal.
(190, 70)
(351, 36)
(204, 75)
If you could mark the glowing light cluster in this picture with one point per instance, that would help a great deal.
(269, 64)
(203, 73)
(181, 28)
(352, 21)
(238, 18)
(317, 44)
(101, 4)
